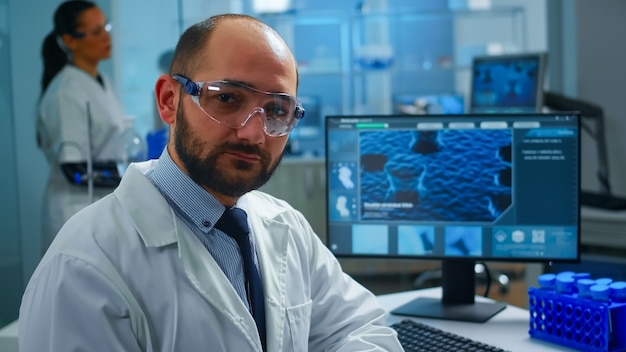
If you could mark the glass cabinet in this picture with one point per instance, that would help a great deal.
(367, 56)
(382, 61)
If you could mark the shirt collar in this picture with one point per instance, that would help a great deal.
(187, 197)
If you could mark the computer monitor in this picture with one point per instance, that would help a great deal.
(507, 83)
(457, 188)
(421, 104)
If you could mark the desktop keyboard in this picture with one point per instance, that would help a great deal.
(415, 336)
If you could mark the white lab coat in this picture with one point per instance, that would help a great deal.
(63, 132)
(128, 275)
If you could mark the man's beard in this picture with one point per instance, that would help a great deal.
(204, 170)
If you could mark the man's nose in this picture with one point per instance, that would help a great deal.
(253, 128)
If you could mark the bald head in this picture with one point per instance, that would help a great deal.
(243, 38)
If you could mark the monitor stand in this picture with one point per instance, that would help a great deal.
(457, 301)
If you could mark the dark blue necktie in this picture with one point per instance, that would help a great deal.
(235, 224)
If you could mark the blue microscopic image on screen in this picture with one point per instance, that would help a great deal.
(370, 239)
(442, 175)
(416, 240)
(463, 240)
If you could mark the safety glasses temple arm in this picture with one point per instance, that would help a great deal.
(189, 86)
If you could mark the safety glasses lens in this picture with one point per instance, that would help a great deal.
(232, 103)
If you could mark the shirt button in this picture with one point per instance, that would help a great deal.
(206, 223)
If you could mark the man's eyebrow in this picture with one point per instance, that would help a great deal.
(251, 85)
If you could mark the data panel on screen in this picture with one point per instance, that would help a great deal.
(507, 83)
(476, 186)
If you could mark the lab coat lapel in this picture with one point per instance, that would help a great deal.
(210, 281)
(271, 250)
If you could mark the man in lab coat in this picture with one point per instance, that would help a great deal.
(145, 269)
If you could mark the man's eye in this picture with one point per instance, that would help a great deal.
(227, 98)
(276, 110)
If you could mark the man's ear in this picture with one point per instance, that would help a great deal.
(166, 98)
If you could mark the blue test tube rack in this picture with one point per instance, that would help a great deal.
(572, 310)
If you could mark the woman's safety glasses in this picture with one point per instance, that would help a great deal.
(233, 104)
(94, 32)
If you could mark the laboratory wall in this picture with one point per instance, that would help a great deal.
(601, 75)
(587, 58)
(11, 274)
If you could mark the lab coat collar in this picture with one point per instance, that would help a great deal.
(154, 219)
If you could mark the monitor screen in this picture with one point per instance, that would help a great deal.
(461, 188)
(507, 83)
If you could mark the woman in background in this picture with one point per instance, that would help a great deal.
(80, 121)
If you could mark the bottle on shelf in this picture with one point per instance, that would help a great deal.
(133, 148)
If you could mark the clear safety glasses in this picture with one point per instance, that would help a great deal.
(233, 104)
(94, 32)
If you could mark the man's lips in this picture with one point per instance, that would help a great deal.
(244, 156)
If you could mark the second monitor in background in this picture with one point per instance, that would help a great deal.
(507, 83)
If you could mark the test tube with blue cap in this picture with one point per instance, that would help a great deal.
(583, 286)
(565, 283)
(600, 293)
(618, 291)
(547, 281)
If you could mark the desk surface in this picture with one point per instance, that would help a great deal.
(507, 330)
